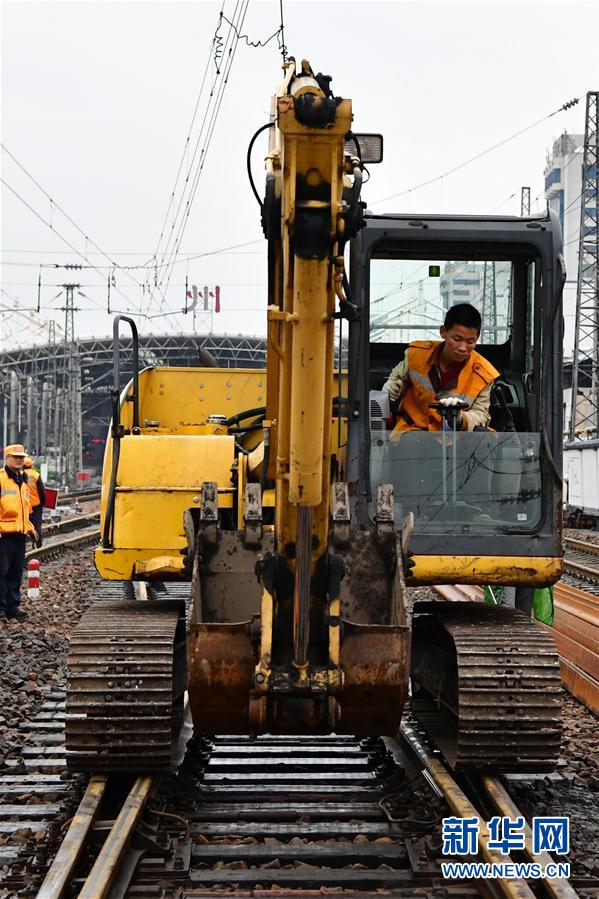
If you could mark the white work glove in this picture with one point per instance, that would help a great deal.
(450, 401)
(394, 389)
(452, 410)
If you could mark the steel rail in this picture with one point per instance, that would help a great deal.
(65, 543)
(591, 600)
(558, 888)
(462, 807)
(82, 495)
(583, 571)
(576, 566)
(70, 524)
(101, 876)
(61, 870)
(583, 545)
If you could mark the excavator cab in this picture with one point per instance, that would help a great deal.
(478, 507)
(486, 504)
(296, 517)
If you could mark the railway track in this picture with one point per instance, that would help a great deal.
(278, 816)
(86, 533)
(581, 564)
(84, 495)
(71, 524)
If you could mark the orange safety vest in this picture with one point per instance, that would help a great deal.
(14, 506)
(414, 412)
(32, 478)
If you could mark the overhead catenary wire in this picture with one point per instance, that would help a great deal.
(209, 121)
(477, 156)
(185, 145)
(64, 239)
(207, 141)
(59, 235)
(66, 215)
(190, 168)
(224, 48)
(168, 253)
(182, 259)
(279, 33)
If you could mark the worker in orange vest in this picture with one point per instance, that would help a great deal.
(37, 497)
(448, 373)
(15, 526)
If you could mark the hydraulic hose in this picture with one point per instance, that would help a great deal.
(249, 159)
(265, 460)
(248, 413)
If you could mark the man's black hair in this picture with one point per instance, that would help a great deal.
(463, 314)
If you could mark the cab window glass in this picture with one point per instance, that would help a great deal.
(409, 297)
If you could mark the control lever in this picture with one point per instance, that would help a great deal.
(449, 415)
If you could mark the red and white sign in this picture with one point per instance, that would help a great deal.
(33, 578)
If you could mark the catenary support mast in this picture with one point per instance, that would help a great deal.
(584, 418)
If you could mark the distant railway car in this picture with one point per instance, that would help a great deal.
(581, 468)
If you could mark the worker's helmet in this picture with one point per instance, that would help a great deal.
(28, 463)
(15, 449)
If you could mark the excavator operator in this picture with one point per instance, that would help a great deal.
(444, 379)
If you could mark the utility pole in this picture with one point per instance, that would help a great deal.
(30, 413)
(5, 396)
(72, 384)
(43, 447)
(13, 422)
(4, 421)
(489, 310)
(76, 407)
(584, 415)
(53, 408)
(524, 202)
(58, 429)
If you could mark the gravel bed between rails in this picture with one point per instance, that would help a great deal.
(33, 652)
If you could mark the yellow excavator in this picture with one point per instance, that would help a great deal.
(267, 523)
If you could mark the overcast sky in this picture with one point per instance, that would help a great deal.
(97, 99)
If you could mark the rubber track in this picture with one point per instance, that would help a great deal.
(509, 700)
(121, 683)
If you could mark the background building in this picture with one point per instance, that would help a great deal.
(563, 179)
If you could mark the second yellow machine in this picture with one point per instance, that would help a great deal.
(294, 516)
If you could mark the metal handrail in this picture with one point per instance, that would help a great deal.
(117, 429)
